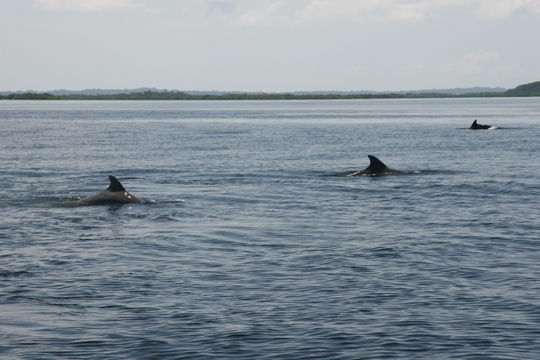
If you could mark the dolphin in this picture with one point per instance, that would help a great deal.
(376, 167)
(114, 194)
(477, 126)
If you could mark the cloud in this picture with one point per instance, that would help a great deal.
(223, 6)
(477, 61)
(293, 12)
(258, 12)
(366, 11)
(281, 12)
(262, 14)
(412, 10)
(497, 9)
(83, 5)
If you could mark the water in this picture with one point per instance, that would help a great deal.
(255, 245)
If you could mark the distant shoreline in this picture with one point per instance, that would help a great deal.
(526, 90)
(247, 96)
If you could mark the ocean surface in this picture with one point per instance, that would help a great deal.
(254, 244)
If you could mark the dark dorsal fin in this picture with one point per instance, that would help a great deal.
(115, 184)
(375, 165)
(474, 123)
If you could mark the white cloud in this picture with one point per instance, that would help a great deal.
(496, 9)
(83, 5)
(280, 12)
(477, 61)
(223, 6)
(261, 15)
(366, 11)
(258, 12)
(412, 10)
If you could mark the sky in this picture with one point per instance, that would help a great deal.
(268, 45)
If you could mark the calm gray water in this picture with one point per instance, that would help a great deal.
(254, 243)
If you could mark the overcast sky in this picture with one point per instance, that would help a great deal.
(268, 45)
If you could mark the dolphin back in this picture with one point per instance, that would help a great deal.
(114, 194)
(477, 126)
(376, 167)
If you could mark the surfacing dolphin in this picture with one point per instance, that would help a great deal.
(114, 194)
(477, 126)
(376, 167)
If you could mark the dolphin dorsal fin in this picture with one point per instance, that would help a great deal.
(375, 165)
(115, 184)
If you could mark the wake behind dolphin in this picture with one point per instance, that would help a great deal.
(376, 167)
(114, 194)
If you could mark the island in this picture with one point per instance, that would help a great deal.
(526, 90)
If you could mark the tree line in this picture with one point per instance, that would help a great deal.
(531, 89)
(177, 95)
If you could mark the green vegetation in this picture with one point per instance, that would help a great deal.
(532, 89)
(29, 96)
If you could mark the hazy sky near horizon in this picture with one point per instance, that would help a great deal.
(268, 45)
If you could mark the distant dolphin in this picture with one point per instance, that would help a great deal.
(477, 126)
(376, 167)
(114, 194)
